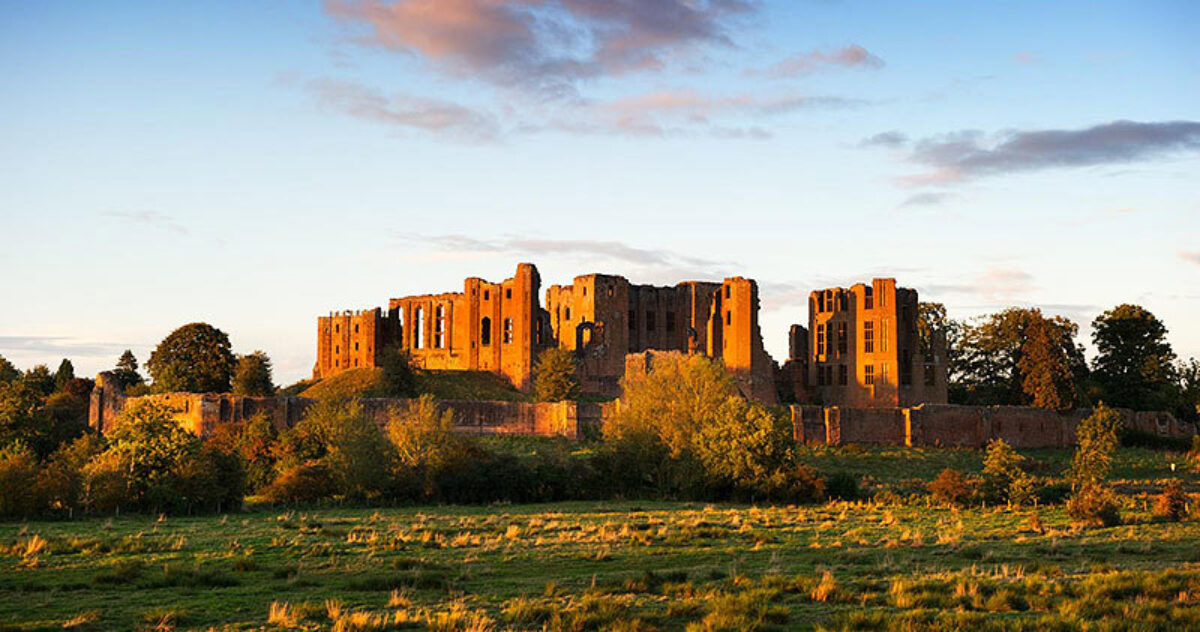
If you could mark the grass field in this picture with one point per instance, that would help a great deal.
(620, 565)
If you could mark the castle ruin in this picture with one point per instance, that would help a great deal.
(861, 347)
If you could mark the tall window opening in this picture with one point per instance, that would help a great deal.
(843, 374)
(869, 374)
(869, 337)
(419, 328)
(868, 297)
(439, 327)
(821, 339)
(841, 338)
(508, 331)
(485, 331)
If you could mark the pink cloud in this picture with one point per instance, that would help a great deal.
(853, 56)
(1191, 256)
(546, 45)
(407, 111)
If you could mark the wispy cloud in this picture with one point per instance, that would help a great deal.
(543, 46)
(997, 285)
(662, 264)
(928, 198)
(1190, 256)
(59, 346)
(406, 111)
(152, 219)
(970, 154)
(885, 139)
(852, 56)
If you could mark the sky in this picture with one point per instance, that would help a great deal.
(256, 164)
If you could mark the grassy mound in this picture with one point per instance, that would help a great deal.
(464, 385)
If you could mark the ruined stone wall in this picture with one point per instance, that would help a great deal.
(353, 339)
(863, 348)
(496, 327)
(602, 318)
(962, 426)
(202, 413)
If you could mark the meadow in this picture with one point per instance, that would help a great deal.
(898, 560)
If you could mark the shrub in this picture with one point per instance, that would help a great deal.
(18, 479)
(151, 446)
(1001, 468)
(1172, 503)
(397, 376)
(62, 482)
(842, 486)
(1097, 438)
(1094, 505)
(306, 482)
(554, 375)
(254, 441)
(952, 487)
(426, 446)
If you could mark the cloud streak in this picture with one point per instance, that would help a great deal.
(969, 154)
(1190, 256)
(853, 56)
(544, 46)
(405, 111)
(658, 263)
(152, 219)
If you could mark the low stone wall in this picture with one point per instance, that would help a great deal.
(945, 425)
(201, 413)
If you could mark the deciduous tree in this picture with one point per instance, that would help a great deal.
(195, 358)
(554, 375)
(253, 375)
(1134, 362)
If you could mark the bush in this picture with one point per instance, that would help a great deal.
(1094, 505)
(18, 480)
(151, 446)
(303, 483)
(62, 482)
(1172, 503)
(952, 487)
(398, 377)
(338, 433)
(1002, 475)
(842, 486)
(554, 377)
(426, 446)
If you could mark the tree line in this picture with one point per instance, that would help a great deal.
(1023, 357)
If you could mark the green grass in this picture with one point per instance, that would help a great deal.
(589, 565)
(462, 385)
(625, 565)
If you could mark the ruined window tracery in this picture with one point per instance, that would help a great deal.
(508, 331)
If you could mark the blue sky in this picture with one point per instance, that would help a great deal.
(256, 164)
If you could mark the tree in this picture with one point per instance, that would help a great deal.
(1093, 502)
(8, 372)
(338, 434)
(1097, 437)
(989, 367)
(253, 375)
(151, 447)
(554, 375)
(194, 358)
(1189, 389)
(397, 377)
(933, 322)
(1003, 480)
(127, 370)
(425, 444)
(1133, 365)
(1046, 376)
(65, 373)
(39, 379)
